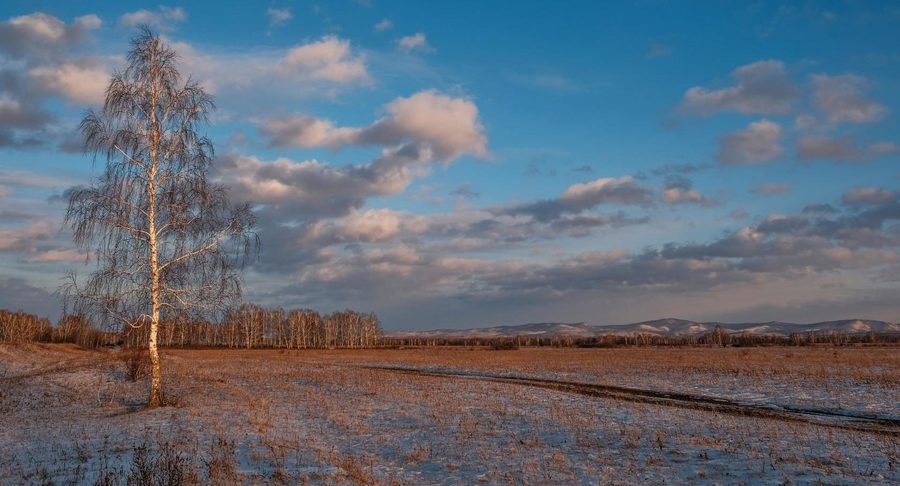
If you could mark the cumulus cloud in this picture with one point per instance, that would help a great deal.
(772, 188)
(163, 18)
(414, 43)
(38, 63)
(842, 99)
(368, 252)
(22, 112)
(779, 247)
(759, 142)
(759, 88)
(323, 68)
(580, 197)
(329, 58)
(371, 225)
(675, 195)
(40, 34)
(448, 126)
(303, 131)
(81, 82)
(278, 16)
(679, 190)
(311, 189)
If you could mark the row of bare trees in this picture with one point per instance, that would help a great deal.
(21, 327)
(253, 326)
(248, 326)
(712, 339)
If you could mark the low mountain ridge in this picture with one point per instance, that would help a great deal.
(669, 327)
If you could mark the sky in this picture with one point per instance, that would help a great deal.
(468, 163)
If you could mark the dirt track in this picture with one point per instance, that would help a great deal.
(840, 419)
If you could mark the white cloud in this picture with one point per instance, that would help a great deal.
(606, 189)
(312, 190)
(40, 26)
(760, 88)
(163, 18)
(383, 25)
(329, 59)
(842, 100)
(413, 43)
(583, 196)
(42, 34)
(304, 131)
(36, 54)
(278, 16)
(675, 195)
(447, 125)
(371, 225)
(320, 68)
(759, 142)
(82, 81)
(451, 126)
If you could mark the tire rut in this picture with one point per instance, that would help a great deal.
(839, 419)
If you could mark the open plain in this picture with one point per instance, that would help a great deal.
(455, 416)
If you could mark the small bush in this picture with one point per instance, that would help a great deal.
(220, 467)
(162, 466)
(137, 363)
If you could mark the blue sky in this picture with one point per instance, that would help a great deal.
(472, 163)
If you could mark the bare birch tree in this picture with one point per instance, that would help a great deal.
(166, 240)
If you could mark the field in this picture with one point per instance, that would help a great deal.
(456, 416)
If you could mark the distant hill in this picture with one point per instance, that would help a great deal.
(578, 329)
(661, 327)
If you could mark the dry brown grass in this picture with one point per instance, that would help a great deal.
(877, 364)
(311, 417)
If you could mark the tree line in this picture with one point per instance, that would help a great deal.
(248, 326)
(21, 327)
(716, 338)
(253, 326)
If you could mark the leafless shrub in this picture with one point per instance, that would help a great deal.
(159, 466)
(220, 467)
(137, 363)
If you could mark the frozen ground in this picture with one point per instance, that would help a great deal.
(69, 416)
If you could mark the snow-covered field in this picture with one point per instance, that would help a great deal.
(70, 416)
